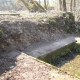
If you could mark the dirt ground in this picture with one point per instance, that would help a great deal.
(20, 32)
(24, 67)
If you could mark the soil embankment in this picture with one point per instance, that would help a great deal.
(19, 32)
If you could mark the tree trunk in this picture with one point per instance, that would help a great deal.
(25, 4)
(60, 4)
(64, 5)
(7, 5)
(39, 2)
(45, 5)
(74, 3)
(12, 4)
(71, 5)
(38, 5)
(35, 5)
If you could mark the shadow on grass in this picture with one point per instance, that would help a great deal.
(65, 59)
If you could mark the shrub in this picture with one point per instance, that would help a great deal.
(1, 33)
(52, 22)
(76, 47)
(69, 22)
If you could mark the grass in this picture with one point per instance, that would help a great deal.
(73, 66)
(1, 32)
(69, 62)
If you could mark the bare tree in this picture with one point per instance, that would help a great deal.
(74, 5)
(36, 6)
(64, 5)
(71, 5)
(39, 1)
(60, 5)
(25, 4)
(39, 6)
(45, 5)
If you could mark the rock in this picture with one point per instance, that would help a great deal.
(12, 67)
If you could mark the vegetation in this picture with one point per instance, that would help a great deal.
(63, 5)
(1, 32)
(71, 59)
(52, 22)
(69, 22)
(64, 53)
(76, 48)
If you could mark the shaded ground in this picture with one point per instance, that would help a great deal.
(69, 63)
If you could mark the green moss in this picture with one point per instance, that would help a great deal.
(33, 7)
(51, 56)
(78, 75)
(45, 24)
(40, 17)
(69, 22)
(67, 29)
(76, 47)
(52, 22)
(71, 17)
(1, 33)
(71, 67)
(64, 53)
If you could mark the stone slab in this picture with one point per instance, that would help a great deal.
(51, 47)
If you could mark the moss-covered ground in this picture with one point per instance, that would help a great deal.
(69, 63)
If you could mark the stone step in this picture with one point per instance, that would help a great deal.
(51, 47)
